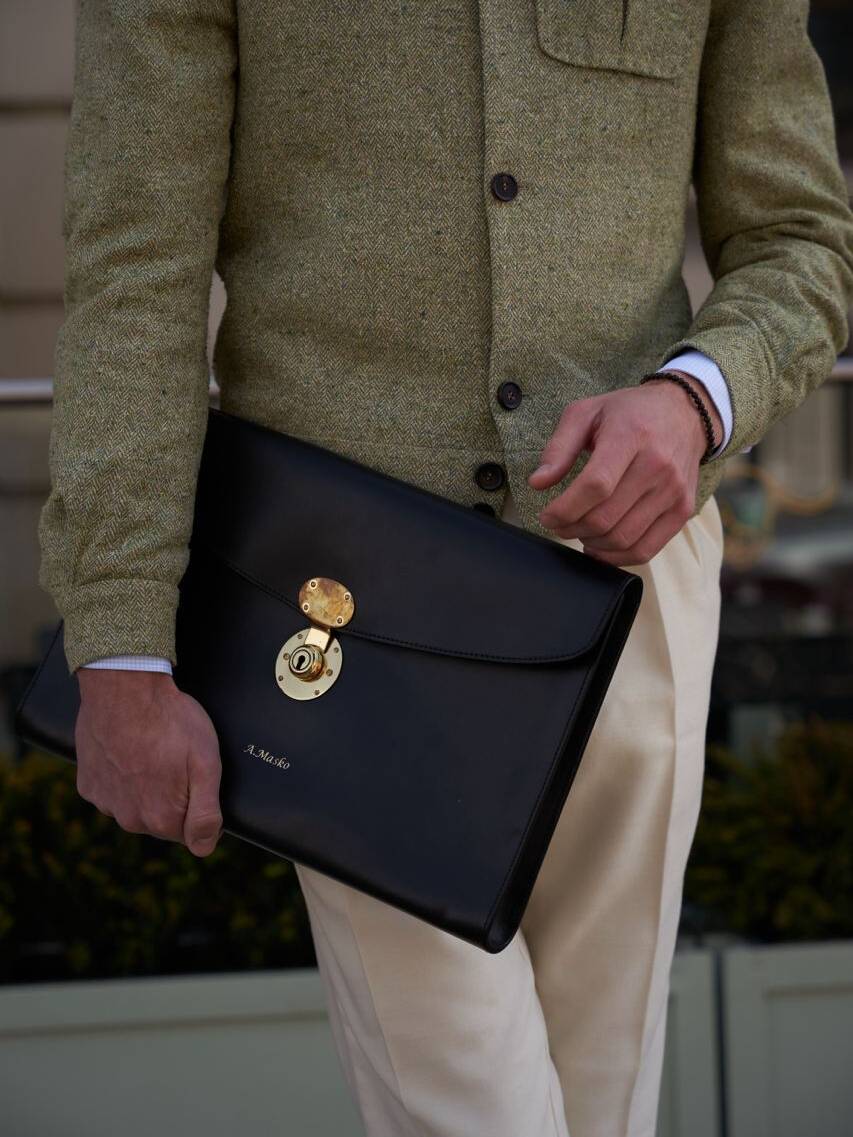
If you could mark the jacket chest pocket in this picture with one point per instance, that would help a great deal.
(643, 37)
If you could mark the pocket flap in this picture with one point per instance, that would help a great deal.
(644, 37)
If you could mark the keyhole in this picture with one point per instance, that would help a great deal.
(307, 662)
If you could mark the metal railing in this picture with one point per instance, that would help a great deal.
(29, 392)
(26, 392)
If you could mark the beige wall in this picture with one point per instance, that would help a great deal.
(36, 74)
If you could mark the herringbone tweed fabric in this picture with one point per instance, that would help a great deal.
(334, 161)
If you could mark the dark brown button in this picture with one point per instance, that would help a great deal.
(509, 395)
(484, 507)
(490, 476)
(504, 187)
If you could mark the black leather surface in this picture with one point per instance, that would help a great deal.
(432, 773)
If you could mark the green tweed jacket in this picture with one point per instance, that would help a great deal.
(334, 162)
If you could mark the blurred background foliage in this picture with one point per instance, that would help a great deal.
(80, 898)
(772, 859)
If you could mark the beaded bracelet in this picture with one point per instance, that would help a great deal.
(696, 399)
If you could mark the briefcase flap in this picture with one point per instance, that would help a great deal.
(426, 574)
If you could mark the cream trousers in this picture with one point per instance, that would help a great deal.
(562, 1033)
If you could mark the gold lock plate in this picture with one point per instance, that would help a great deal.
(310, 661)
(326, 602)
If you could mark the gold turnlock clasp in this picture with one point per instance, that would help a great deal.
(310, 661)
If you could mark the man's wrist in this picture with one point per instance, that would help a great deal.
(710, 406)
(702, 368)
(106, 683)
(706, 423)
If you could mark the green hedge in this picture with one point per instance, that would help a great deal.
(79, 897)
(772, 860)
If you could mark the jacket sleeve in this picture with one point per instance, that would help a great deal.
(774, 214)
(146, 170)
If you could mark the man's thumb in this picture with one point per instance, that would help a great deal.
(566, 443)
(203, 820)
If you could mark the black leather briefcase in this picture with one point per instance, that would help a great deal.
(402, 686)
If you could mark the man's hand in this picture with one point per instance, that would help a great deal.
(148, 755)
(639, 486)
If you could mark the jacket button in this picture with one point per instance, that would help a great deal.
(484, 507)
(490, 476)
(504, 187)
(509, 395)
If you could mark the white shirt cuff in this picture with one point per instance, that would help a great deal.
(132, 663)
(703, 368)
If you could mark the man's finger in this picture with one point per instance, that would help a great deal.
(649, 545)
(563, 448)
(203, 821)
(611, 515)
(597, 482)
(627, 530)
(630, 530)
(619, 521)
